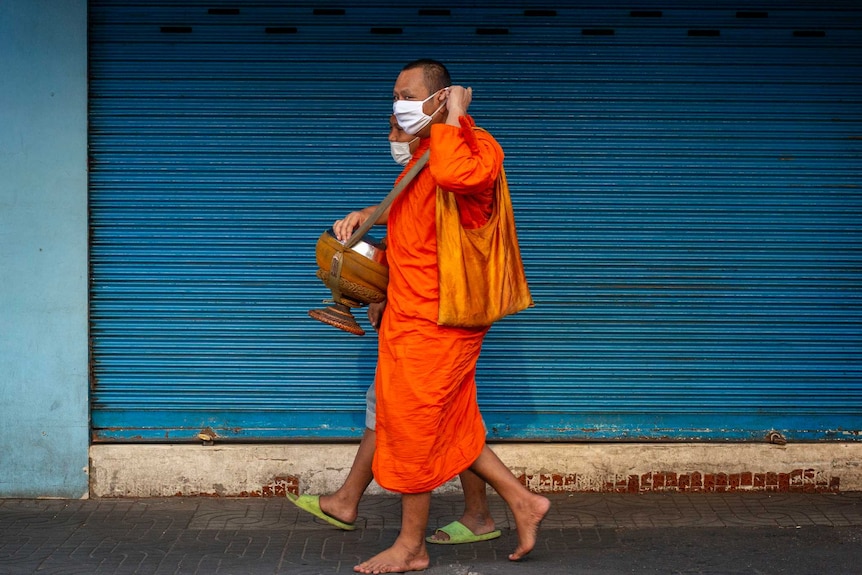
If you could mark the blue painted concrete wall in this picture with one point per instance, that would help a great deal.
(43, 248)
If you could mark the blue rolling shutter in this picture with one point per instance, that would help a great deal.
(686, 186)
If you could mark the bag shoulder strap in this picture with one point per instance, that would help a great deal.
(390, 197)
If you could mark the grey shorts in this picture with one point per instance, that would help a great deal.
(371, 408)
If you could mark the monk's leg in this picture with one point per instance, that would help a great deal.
(477, 515)
(408, 553)
(343, 504)
(528, 508)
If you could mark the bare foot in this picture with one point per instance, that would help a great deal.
(332, 505)
(397, 559)
(528, 517)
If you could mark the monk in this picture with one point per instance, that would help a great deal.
(341, 508)
(429, 428)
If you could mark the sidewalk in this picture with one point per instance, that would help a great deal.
(690, 533)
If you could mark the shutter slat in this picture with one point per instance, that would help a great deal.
(686, 189)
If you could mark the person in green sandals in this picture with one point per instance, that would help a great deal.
(341, 508)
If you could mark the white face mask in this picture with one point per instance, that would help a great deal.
(401, 152)
(410, 115)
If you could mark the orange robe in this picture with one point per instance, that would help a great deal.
(429, 428)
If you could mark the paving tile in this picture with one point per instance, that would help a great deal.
(583, 533)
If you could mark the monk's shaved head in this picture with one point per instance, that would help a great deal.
(435, 73)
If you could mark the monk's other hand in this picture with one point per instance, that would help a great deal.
(343, 228)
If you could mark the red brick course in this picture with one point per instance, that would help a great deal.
(795, 481)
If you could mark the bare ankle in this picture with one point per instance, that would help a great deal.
(477, 520)
(339, 507)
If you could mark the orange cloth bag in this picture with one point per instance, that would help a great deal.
(481, 275)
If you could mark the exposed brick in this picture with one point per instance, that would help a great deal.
(278, 487)
(684, 482)
(618, 485)
(696, 481)
(554, 483)
(646, 482)
(796, 484)
(734, 480)
(558, 482)
(796, 480)
(623, 485)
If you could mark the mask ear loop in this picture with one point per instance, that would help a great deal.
(446, 91)
(443, 103)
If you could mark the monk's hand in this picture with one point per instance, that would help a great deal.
(375, 313)
(344, 227)
(457, 102)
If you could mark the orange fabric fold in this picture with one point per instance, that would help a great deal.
(429, 428)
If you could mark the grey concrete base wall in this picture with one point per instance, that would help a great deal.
(271, 470)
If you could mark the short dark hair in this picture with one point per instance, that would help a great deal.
(435, 73)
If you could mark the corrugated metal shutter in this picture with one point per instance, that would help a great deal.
(686, 184)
